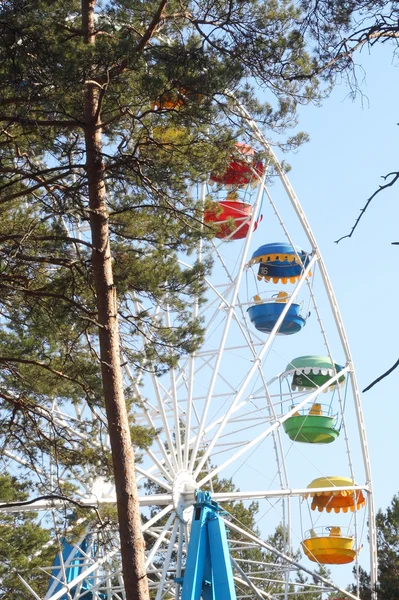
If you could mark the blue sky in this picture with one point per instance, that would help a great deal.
(352, 143)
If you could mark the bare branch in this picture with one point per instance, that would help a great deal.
(382, 376)
(395, 175)
(52, 497)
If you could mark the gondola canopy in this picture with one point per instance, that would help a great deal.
(242, 169)
(313, 371)
(341, 500)
(280, 262)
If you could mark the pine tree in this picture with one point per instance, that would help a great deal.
(109, 112)
(387, 523)
(21, 538)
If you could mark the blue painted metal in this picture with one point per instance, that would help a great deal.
(208, 573)
(73, 557)
(280, 248)
(282, 267)
(265, 316)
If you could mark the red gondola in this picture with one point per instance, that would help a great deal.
(232, 219)
(242, 168)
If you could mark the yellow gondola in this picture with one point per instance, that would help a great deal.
(332, 549)
(342, 500)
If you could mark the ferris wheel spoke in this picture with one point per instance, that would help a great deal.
(165, 424)
(212, 425)
(229, 316)
(190, 409)
(158, 516)
(279, 454)
(268, 431)
(14, 457)
(176, 415)
(148, 475)
(165, 464)
(166, 565)
(161, 537)
(67, 586)
(246, 581)
(161, 409)
(252, 370)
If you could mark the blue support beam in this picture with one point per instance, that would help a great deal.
(74, 558)
(223, 582)
(208, 574)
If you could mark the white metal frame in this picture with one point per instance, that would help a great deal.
(189, 438)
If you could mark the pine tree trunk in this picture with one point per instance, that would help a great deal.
(132, 542)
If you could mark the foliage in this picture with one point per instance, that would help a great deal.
(109, 112)
(388, 549)
(165, 78)
(22, 544)
(362, 24)
(387, 523)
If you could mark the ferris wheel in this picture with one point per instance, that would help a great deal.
(266, 411)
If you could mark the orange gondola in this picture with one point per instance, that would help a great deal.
(174, 99)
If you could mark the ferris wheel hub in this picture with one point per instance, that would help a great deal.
(183, 492)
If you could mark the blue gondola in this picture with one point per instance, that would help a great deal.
(265, 316)
(279, 262)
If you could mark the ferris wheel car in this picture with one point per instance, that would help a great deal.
(332, 549)
(231, 218)
(313, 371)
(280, 262)
(265, 316)
(341, 500)
(242, 169)
(314, 426)
(175, 99)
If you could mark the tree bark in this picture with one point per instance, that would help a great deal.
(131, 538)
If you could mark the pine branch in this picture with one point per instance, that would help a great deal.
(72, 124)
(46, 294)
(45, 238)
(36, 363)
(61, 262)
(151, 27)
(30, 190)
